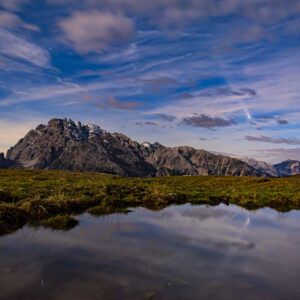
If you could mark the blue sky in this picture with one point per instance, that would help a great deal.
(217, 75)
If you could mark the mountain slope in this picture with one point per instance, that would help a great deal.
(69, 145)
(190, 161)
(261, 166)
(285, 168)
(288, 167)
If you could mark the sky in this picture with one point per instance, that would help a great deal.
(219, 75)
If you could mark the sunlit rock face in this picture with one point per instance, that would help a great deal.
(65, 144)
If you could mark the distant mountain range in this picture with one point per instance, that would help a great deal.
(285, 168)
(65, 144)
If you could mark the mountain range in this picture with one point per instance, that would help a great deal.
(64, 144)
(285, 168)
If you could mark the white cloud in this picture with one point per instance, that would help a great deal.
(95, 32)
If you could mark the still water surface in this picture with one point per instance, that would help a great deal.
(181, 252)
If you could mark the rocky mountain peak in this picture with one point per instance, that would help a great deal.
(65, 144)
(74, 129)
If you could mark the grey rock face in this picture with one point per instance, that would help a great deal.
(288, 167)
(261, 166)
(285, 168)
(190, 161)
(69, 145)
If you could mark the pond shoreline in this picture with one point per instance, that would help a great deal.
(51, 198)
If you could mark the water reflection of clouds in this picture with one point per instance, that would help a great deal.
(206, 227)
(179, 252)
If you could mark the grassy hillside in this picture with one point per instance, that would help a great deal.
(50, 198)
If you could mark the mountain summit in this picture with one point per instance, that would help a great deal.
(65, 144)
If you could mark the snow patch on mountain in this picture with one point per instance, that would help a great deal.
(81, 131)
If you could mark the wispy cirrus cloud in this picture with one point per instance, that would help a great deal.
(265, 139)
(226, 91)
(16, 47)
(61, 89)
(248, 34)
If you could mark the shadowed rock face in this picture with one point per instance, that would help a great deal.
(5, 163)
(69, 145)
(288, 167)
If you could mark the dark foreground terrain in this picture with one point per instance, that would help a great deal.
(51, 198)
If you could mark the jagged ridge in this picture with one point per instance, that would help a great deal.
(285, 168)
(65, 144)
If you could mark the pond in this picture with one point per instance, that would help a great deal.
(180, 252)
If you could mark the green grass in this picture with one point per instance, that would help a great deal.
(32, 196)
(60, 222)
